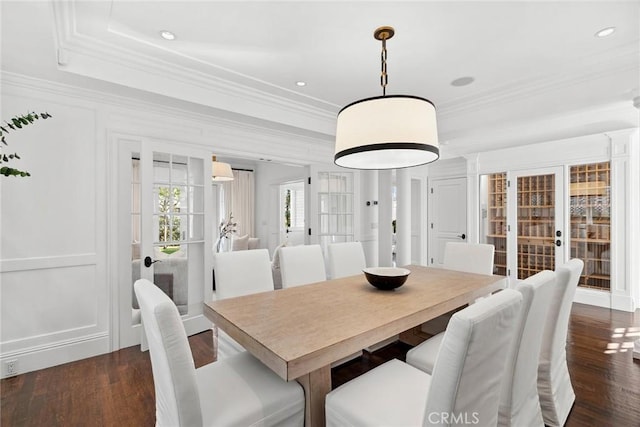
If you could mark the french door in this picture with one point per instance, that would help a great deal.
(165, 218)
(535, 221)
(332, 209)
(538, 219)
(522, 215)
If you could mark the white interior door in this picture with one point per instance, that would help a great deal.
(447, 215)
(165, 218)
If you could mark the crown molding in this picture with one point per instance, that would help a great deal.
(600, 121)
(592, 69)
(88, 56)
(228, 137)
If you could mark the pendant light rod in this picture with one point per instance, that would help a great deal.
(383, 34)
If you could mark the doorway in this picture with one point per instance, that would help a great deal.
(292, 212)
(522, 216)
(164, 224)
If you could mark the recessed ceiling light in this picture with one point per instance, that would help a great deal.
(301, 83)
(167, 35)
(462, 81)
(605, 32)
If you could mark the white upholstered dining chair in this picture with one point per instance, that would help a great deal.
(345, 259)
(240, 273)
(239, 390)
(469, 258)
(554, 383)
(519, 402)
(466, 378)
(301, 265)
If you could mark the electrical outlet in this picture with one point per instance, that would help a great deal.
(11, 368)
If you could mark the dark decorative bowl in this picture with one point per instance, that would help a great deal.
(386, 278)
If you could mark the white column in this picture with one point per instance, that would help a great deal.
(369, 227)
(625, 231)
(403, 217)
(385, 229)
(473, 199)
(635, 214)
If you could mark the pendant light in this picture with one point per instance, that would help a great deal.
(221, 171)
(388, 131)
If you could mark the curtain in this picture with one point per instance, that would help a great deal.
(239, 200)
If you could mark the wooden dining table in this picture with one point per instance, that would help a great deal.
(298, 332)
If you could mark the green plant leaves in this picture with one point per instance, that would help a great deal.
(15, 123)
(7, 171)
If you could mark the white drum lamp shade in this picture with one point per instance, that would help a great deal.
(221, 171)
(387, 132)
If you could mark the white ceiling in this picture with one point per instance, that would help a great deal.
(540, 73)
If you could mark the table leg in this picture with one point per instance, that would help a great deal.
(316, 384)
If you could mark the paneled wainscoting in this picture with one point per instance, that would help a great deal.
(116, 389)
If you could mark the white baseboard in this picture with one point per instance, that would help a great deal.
(593, 297)
(46, 356)
(604, 299)
(622, 302)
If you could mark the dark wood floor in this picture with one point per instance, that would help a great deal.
(116, 389)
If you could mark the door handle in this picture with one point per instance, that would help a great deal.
(558, 242)
(148, 261)
(462, 236)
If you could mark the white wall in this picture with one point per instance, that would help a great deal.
(58, 270)
(53, 251)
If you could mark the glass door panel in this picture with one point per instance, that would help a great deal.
(536, 220)
(331, 202)
(536, 224)
(162, 223)
(493, 221)
(136, 230)
(172, 225)
(590, 222)
(335, 212)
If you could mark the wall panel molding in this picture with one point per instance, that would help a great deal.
(49, 262)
